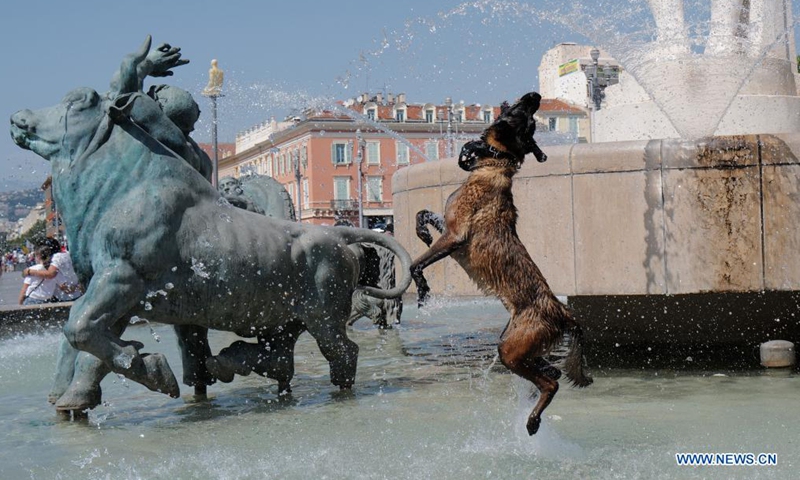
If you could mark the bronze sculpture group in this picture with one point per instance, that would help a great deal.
(141, 216)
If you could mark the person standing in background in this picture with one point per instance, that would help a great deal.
(60, 269)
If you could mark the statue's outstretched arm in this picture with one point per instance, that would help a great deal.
(126, 79)
(137, 66)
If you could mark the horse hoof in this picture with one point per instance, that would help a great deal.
(219, 371)
(78, 400)
(159, 376)
(533, 424)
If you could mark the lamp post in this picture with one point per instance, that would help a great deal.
(213, 91)
(359, 158)
(297, 162)
(449, 144)
(597, 80)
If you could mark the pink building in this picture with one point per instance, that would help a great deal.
(316, 157)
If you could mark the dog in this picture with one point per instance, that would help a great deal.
(479, 232)
(151, 238)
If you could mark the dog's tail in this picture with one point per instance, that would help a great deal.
(361, 235)
(573, 363)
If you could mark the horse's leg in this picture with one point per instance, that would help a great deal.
(280, 359)
(84, 391)
(425, 218)
(114, 291)
(193, 344)
(443, 247)
(272, 356)
(330, 333)
(239, 358)
(65, 370)
(521, 345)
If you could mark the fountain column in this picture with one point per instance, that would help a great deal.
(671, 34)
(726, 32)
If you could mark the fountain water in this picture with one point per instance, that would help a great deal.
(736, 59)
(428, 404)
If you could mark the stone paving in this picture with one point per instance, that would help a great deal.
(10, 285)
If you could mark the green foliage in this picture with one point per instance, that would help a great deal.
(798, 64)
(35, 235)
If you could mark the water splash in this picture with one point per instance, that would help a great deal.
(700, 64)
(199, 268)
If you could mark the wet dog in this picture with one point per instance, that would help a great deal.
(479, 232)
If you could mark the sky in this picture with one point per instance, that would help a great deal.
(277, 56)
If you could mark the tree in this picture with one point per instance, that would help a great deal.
(35, 235)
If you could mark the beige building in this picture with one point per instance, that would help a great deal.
(562, 72)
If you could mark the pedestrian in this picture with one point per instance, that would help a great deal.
(60, 269)
(37, 290)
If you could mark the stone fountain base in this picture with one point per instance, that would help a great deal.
(637, 226)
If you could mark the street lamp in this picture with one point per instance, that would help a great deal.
(297, 162)
(449, 144)
(213, 91)
(592, 74)
(360, 143)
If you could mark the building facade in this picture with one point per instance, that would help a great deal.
(562, 72)
(561, 117)
(337, 164)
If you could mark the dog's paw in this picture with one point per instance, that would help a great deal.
(533, 424)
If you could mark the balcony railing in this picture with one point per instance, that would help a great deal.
(347, 204)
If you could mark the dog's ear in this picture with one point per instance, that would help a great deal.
(504, 108)
(532, 101)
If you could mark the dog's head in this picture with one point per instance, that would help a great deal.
(510, 137)
(61, 132)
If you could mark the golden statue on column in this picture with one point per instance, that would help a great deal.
(215, 79)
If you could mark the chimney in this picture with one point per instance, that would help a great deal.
(390, 98)
(401, 98)
(379, 98)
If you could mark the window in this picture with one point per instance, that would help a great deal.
(402, 153)
(290, 189)
(306, 194)
(573, 124)
(275, 166)
(341, 154)
(371, 113)
(374, 189)
(282, 163)
(551, 122)
(429, 116)
(432, 150)
(341, 192)
(373, 153)
(400, 115)
(487, 116)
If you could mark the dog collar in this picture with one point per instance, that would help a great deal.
(477, 149)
